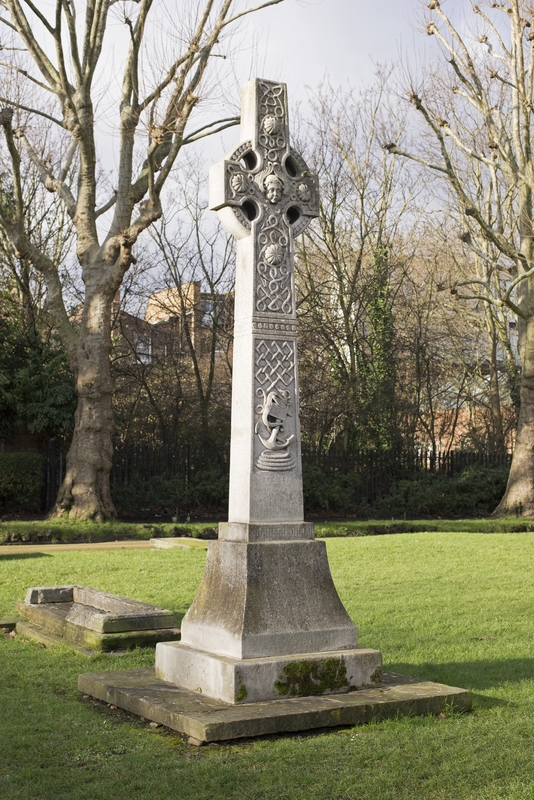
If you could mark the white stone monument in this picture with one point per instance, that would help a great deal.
(267, 621)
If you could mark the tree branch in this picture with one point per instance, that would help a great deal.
(222, 124)
(251, 11)
(47, 178)
(9, 102)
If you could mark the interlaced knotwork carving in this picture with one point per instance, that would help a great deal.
(273, 197)
(273, 291)
(271, 121)
(275, 364)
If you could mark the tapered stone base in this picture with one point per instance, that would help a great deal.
(255, 679)
(267, 598)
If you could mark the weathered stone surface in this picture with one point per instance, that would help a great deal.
(89, 642)
(254, 679)
(46, 615)
(114, 603)
(254, 532)
(29, 631)
(104, 622)
(95, 620)
(208, 720)
(265, 599)
(49, 594)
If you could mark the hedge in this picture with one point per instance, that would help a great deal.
(21, 481)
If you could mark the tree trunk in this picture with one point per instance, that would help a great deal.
(85, 492)
(519, 496)
(497, 440)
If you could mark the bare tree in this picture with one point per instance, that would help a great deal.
(59, 55)
(348, 271)
(477, 135)
(185, 377)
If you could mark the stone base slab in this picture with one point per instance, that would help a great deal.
(205, 720)
(258, 679)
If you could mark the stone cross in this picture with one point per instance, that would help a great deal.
(267, 609)
(265, 195)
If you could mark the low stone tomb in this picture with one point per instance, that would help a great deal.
(91, 620)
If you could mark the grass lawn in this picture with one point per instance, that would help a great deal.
(445, 606)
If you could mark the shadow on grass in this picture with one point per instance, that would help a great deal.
(472, 675)
(19, 556)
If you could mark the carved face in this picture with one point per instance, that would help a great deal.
(273, 188)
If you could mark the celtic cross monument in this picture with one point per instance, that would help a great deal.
(267, 621)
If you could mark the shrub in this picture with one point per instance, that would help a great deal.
(475, 491)
(21, 481)
(324, 493)
(207, 490)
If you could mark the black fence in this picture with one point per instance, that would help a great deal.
(371, 474)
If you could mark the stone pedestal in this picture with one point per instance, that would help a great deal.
(252, 680)
(266, 622)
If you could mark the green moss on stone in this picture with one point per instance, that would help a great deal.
(376, 677)
(242, 691)
(305, 678)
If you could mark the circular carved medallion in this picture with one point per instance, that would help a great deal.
(271, 126)
(304, 192)
(238, 182)
(274, 255)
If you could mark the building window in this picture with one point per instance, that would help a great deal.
(207, 308)
(143, 349)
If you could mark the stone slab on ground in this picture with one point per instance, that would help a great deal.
(93, 620)
(28, 631)
(206, 720)
(9, 623)
(104, 643)
(179, 541)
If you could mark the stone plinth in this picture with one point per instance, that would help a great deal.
(91, 620)
(252, 680)
(260, 599)
(266, 612)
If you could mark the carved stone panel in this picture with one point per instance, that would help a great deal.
(275, 382)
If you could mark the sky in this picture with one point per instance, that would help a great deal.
(306, 42)
(302, 41)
